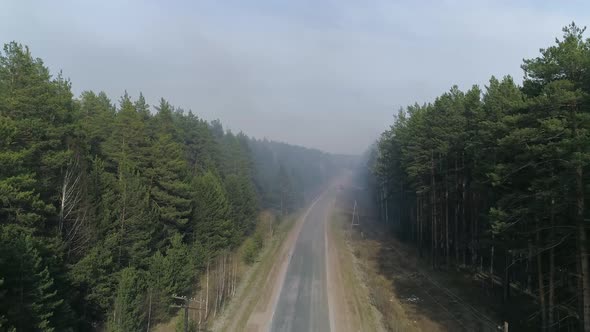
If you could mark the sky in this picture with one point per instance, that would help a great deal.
(318, 73)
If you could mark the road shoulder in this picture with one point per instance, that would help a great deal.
(350, 304)
(253, 308)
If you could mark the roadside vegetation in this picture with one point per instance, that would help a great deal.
(224, 282)
(494, 182)
(109, 209)
(255, 289)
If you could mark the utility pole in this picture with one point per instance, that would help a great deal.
(382, 192)
(384, 202)
(355, 217)
(185, 305)
(270, 225)
(386, 211)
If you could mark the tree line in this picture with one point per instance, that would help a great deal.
(108, 209)
(496, 180)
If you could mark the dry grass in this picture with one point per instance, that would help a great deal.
(371, 293)
(252, 288)
(361, 314)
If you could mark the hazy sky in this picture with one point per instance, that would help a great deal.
(324, 74)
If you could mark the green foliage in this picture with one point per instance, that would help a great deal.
(29, 296)
(97, 116)
(94, 277)
(137, 222)
(172, 273)
(213, 228)
(179, 327)
(498, 174)
(34, 114)
(107, 210)
(243, 204)
(129, 312)
(170, 191)
(252, 247)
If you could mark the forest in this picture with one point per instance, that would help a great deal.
(496, 180)
(107, 209)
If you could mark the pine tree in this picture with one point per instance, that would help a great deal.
(128, 313)
(96, 119)
(200, 145)
(213, 229)
(167, 174)
(30, 298)
(142, 107)
(559, 77)
(34, 114)
(105, 208)
(243, 204)
(94, 278)
(169, 274)
(137, 220)
(128, 144)
(508, 169)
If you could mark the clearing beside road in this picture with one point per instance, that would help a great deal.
(348, 295)
(408, 293)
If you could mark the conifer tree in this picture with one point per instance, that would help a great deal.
(213, 229)
(30, 299)
(128, 313)
(168, 174)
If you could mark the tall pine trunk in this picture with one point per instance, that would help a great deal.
(463, 203)
(419, 219)
(149, 318)
(550, 309)
(582, 248)
(123, 216)
(200, 308)
(507, 265)
(447, 225)
(492, 263)
(541, 284)
(580, 286)
(434, 226)
(581, 229)
(207, 292)
(456, 214)
(474, 227)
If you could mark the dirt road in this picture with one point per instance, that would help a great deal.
(303, 301)
(309, 283)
